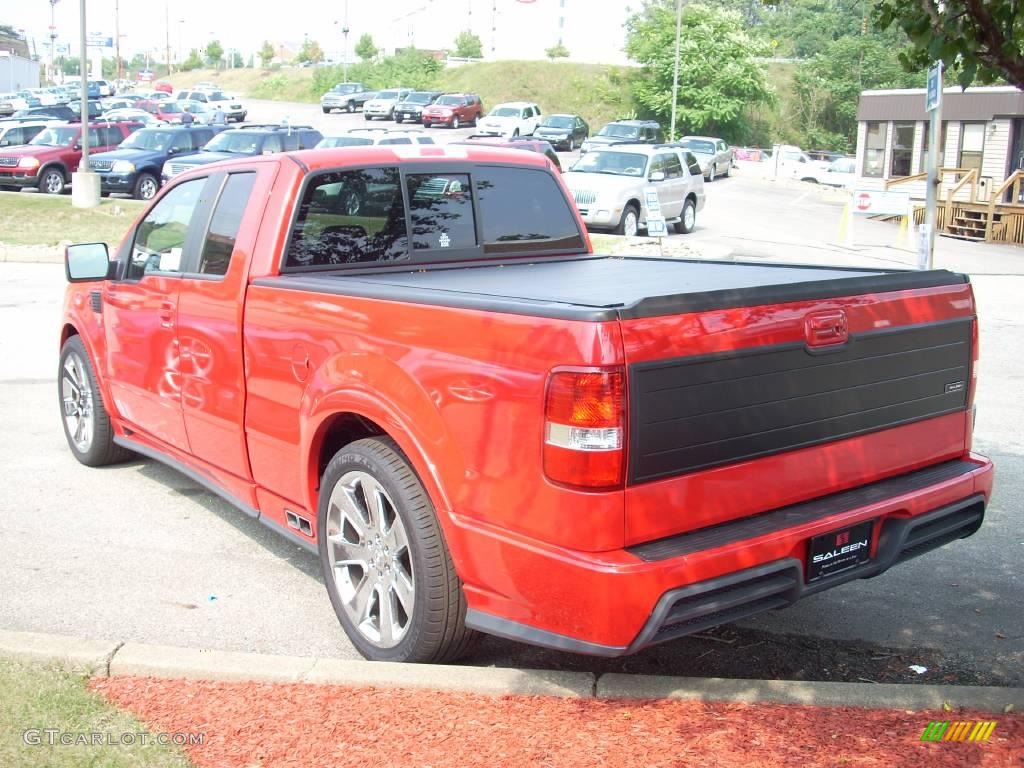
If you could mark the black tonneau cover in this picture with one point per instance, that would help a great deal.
(606, 288)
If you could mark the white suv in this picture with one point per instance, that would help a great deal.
(365, 137)
(516, 118)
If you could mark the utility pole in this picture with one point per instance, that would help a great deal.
(675, 70)
(167, 34)
(85, 185)
(117, 37)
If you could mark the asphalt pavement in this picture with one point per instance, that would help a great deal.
(140, 552)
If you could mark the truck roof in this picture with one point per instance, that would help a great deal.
(324, 159)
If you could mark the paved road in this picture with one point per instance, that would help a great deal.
(139, 552)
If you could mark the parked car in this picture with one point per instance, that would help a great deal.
(134, 115)
(608, 184)
(134, 167)
(14, 133)
(563, 131)
(48, 160)
(93, 105)
(157, 96)
(838, 173)
(202, 112)
(205, 85)
(246, 141)
(515, 118)
(714, 155)
(163, 87)
(47, 96)
(416, 368)
(116, 102)
(29, 98)
(11, 103)
(453, 110)
(55, 112)
(384, 103)
(232, 107)
(631, 131)
(412, 106)
(365, 137)
(348, 97)
(168, 110)
(524, 143)
(104, 86)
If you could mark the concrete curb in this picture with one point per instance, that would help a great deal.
(109, 658)
(32, 254)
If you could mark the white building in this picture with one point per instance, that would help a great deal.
(17, 72)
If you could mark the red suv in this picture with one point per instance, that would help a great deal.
(49, 159)
(453, 110)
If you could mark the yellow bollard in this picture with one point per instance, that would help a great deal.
(845, 235)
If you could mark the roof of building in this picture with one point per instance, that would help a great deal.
(972, 104)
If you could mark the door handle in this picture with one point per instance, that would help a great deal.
(166, 313)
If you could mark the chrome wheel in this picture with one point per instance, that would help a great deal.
(689, 217)
(368, 549)
(147, 188)
(711, 173)
(76, 395)
(53, 183)
(455, 122)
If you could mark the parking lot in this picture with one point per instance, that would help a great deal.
(140, 552)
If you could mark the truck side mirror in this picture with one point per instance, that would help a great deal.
(85, 262)
(658, 176)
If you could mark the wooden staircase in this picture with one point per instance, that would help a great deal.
(968, 225)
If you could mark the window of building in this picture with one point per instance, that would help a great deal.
(227, 218)
(874, 150)
(927, 140)
(902, 150)
(972, 146)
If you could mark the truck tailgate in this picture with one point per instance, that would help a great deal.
(736, 411)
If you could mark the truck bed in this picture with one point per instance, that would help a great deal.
(606, 287)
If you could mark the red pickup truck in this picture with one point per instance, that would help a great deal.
(407, 360)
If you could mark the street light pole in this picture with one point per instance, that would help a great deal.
(85, 185)
(675, 69)
(344, 53)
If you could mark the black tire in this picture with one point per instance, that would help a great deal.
(399, 119)
(101, 449)
(622, 226)
(436, 631)
(367, 117)
(711, 174)
(327, 110)
(689, 213)
(728, 170)
(350, 107)
(515, 133)
(146, 187)
(52, 181)
(572, 144)
(455, 122)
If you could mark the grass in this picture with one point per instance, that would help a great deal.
(597, 92)
(35, 219)
(37, 697)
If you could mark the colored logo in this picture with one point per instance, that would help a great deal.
(958, 731)
(843, 539)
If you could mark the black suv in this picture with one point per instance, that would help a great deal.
(134, 167)
(246, 141)
(411, 107)
(631, 131)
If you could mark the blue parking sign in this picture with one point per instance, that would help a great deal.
(934, 97)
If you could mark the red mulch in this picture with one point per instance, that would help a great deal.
(250, 725)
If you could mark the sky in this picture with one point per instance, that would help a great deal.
(593, 29)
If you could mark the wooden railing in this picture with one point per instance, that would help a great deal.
(1014, 180)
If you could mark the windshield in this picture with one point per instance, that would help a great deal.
(343, 141)
(170, 107)
(617, 163)
(148, 138)
(387, 95)
(419, 98)
(217, 96)
(699, 146)
(56, 137)
(504, 112)
(235, 142)
(557, 121)
(620, 131)
(345, 88)
(449, 101)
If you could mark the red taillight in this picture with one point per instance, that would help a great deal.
(584, 428)
(972, 386)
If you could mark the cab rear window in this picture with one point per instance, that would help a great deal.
(380, 215)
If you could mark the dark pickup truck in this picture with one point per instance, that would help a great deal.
(409, 361)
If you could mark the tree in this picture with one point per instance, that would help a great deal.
(365, 49)
(979, 40)
(718, 75)
(468, 45)
(192, 62)
(266, 54)
(311, 52)
(828, 88)
(214, 52)
(557, 51)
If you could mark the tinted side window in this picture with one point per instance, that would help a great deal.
(309, 139)
(271, 144)
(523, 209)
(290, 141)
(200, 137)
(692, 165)
(227, 218)
(441, 209)
(181, 142)
(349, 217)
(673, 168)
(400, 140)
(161, 235)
